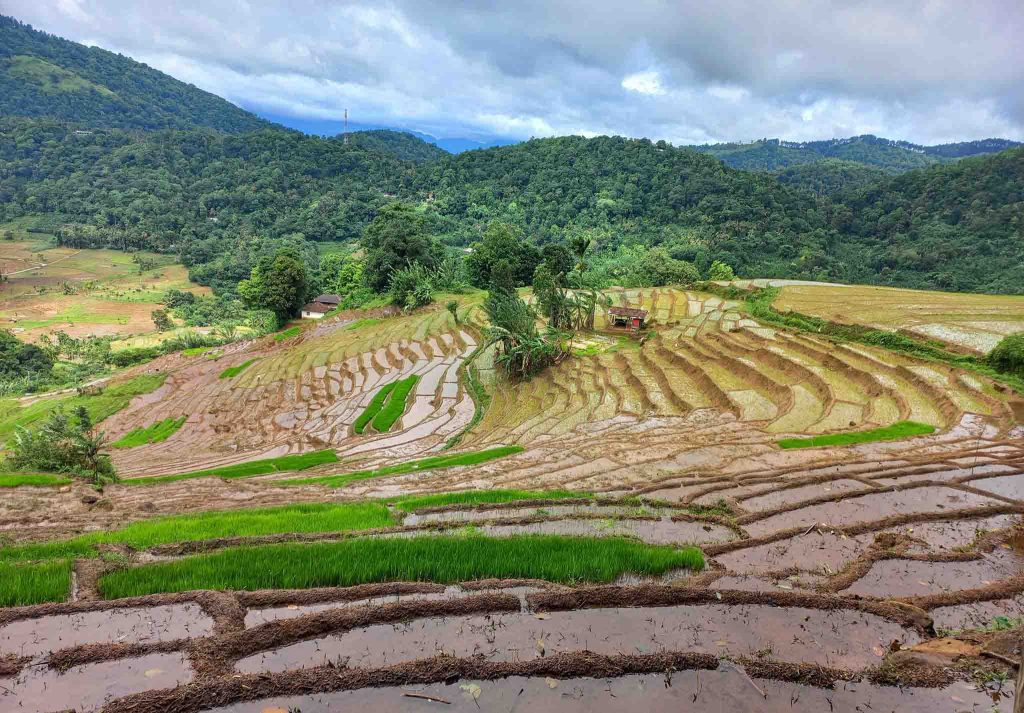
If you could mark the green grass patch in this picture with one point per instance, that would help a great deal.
(306, 517)
(287, 334)
(15, 480)
(374, 407)
(249, 469)
(443, 559)
(395, 406)
(23, 584)
(477, 391)
(193, 351)
(364, 322)
(107, 401)
(154, 433)
(448, 461)
(411, 503)
(236, 370)
(901, 429)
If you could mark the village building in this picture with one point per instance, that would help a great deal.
(320, 306)
(635, 319)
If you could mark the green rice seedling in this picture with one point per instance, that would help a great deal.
(305, 517)
(395, 406)
(374, 407)
(896, 431)
(447, 461)
(411, 503)
(235, 370)
(249, 469)
(443, 559)
(39, 480)
(287, 334)
(154, 433)
(365, 322)
(24, 584)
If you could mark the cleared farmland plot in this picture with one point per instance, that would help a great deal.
(975, 322)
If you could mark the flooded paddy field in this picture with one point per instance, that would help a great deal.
(829, 579)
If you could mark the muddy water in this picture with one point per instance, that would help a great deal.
(1009, 486)
(944, 476)
(838, 638)
(463, 516)
(777, 498)
(950, 534)
(86, 688)
(813, 552)
(31, 637)
(723, 691)
(909, 578)
(870, 507)
(255, 617)
(977, 614)
(658, 532)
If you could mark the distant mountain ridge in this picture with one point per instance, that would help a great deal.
(45, 76)
(334, 127)
(893, 156)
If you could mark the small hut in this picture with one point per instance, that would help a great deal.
(635, 319)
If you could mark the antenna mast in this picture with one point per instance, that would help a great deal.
(344, 137)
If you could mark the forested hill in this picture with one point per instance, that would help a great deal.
(952, 227)
(891, 156)
(633, 189)
(202, 194)
(399, 144)
(42, 75)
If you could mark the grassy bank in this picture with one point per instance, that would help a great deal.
(901, 429)
(287, 334)
(423, 559)
(479, 497)
(309, 517)
(106, 401)
(477, 391)
(395, 406)
(373, 408)
(23, 584)
(248, 469)
(40, 480)
(456, 459)
(154, 433)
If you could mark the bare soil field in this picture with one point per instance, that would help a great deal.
(974, 322)
(82, 292)
(882, 576)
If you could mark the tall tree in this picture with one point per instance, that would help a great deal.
(279, 284)
(393, 240)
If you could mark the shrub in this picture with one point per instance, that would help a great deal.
(178, 298)
(161, 321)
(1008, 356)
(411, 286)
(129, 357)
(62, 444)
(720, 271)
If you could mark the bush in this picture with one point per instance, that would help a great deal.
(62, 444)
(411, 286)
(720, 271)
(130, 357)
(178, 298)
(161, 321)
(1008, 356)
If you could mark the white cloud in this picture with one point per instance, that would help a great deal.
(924, 70)
(644, 83)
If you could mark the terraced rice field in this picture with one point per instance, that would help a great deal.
(823, 590)
(829, 573)
(304, 394)
(973, 322)
(110, 296)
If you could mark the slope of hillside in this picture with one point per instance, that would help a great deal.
(400, 144)
(42, 75)
(887, 154)
(628, 189)
(829, 177)
(954, 227)
(199, 193)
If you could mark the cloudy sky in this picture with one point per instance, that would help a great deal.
(928, 71)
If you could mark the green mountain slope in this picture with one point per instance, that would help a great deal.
(952, 227)
(891, 156)
(45, 76)
(400, 144)
(830, 177)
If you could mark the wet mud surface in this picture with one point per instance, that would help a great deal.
(842, 639)
(716, 691)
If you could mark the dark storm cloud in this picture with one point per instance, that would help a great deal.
(685, 71)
